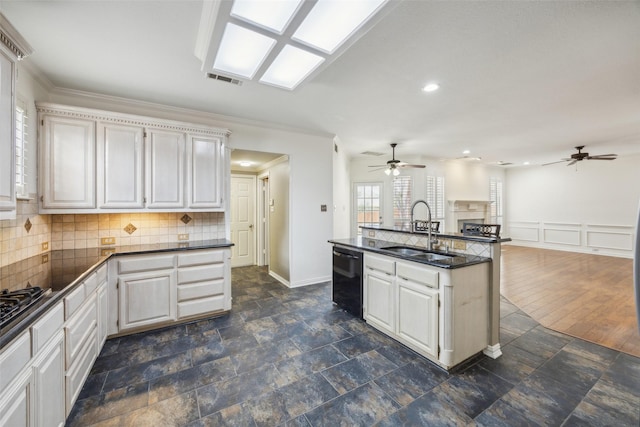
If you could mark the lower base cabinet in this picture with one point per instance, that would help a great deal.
(48, 378)
(16, 404)
(443, 314)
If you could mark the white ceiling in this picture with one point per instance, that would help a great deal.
(520, 81)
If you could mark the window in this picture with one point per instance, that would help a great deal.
(368, 202)
(21, 150)
(495, 194)
(402, 201)
(435, 198)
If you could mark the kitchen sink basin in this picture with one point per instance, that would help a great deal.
(403, 250)
(418, 253)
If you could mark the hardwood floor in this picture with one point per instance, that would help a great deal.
(586, 296)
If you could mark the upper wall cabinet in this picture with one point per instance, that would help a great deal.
(13, 47)
(98, 161)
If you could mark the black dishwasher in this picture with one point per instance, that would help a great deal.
(347, 280)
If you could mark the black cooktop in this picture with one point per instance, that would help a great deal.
(14, 303)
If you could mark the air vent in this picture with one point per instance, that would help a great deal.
(501, 163)
(225, 79)
(372, 153)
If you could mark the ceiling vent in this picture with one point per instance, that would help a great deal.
(225, 79)
(372, 153)
(501, 163)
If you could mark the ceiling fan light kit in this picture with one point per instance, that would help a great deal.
(392, 167)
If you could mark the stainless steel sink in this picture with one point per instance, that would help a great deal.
(418, 253)
(433, 257)
(403, 250)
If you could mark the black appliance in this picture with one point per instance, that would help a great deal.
(347, 280)
(14, 303)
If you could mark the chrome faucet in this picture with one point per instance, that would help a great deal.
(413, 207)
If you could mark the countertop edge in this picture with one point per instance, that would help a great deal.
(459, 236)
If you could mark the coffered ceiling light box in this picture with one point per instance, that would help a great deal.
(281, 43)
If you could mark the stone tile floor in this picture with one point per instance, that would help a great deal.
(288, 357)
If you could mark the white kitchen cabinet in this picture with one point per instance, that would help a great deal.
(103, 313)
(440, 313)
(16, 403)
(379, 292)
(204, 284)
(120, 166)
(100, 161)
(205, 172)
(165, 154)
(147, 293)
(7, 136)
(67, 162)
(48, 380)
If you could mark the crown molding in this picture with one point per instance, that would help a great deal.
(13, 40)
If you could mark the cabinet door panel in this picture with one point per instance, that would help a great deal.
(418, 316)
(205, 172)
(380, 301)
(49, 386)
(120, 171)
(165, 153)
(16, 409)
(147, 299)
(68, 163)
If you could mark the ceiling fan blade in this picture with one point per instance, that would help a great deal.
(411, 166)
(572, 162)
(553, 163)
(378, 166)
(603, 157)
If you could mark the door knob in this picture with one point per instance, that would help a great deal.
(251, 226)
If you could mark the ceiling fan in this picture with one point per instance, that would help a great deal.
(393, 166)
(579, 156)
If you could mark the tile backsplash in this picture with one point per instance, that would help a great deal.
(18, 242)
(79, 231)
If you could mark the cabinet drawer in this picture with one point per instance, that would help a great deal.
(73, 301)
(200, 258)
(79, 371)
(201, 273)
(200, 290)
(418, 274)
(13, 358)
(78, 330)
(46, 326)
(200, 306)
(134, 265)
(90, 284)
(384, 265)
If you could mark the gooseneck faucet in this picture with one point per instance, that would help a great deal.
(413, 206)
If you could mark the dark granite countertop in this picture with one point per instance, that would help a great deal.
(374, 245)
(459, 236)
(57, 272)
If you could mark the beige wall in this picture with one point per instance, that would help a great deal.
(279, 220)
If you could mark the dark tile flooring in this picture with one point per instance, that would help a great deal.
(288, 357)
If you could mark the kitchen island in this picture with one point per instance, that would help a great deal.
(443, 303)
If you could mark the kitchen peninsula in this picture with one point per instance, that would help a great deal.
(445, 303)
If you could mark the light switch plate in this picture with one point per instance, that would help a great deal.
(45, 246)
(108, 241)
(183, 236)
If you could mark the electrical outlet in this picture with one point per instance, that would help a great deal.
(459, 244)
(107, 251)
(108, 241)
(372, 233)
(183, 236)
(45, 258)
(45, 246)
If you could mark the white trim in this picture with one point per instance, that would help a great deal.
(279, 278)
(493, 351)
(309, 282)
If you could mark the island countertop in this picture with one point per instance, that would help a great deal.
(445, 235)
(457, 260)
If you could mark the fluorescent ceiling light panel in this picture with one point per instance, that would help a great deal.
(290, 67)
(242, 51)
(331, 22)
(272, 15)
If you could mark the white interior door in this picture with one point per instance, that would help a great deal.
(243, 236)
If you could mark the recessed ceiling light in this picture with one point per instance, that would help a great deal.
(290, 67)
(526, 163)
(466, 152)
(431, 87)
(242, 51)
(272, 15)
(332, 22)
(244, 164)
